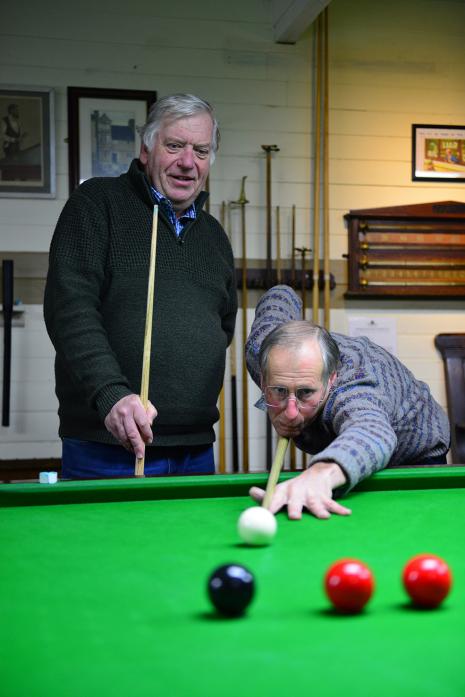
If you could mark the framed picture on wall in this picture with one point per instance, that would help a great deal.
(438, 153)
(103, 130)
(27, 134)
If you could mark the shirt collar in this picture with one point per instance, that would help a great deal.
(189, 213)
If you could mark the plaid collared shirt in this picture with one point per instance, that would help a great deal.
(167, 206)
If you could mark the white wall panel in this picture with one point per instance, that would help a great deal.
(384, 76)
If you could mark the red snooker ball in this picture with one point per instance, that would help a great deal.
(349, 585)
(427, 579)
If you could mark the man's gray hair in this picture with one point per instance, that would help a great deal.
(292, 335)
(173, 107)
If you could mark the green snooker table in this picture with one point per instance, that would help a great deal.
(103, 591)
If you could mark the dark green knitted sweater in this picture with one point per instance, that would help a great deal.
(95, 307)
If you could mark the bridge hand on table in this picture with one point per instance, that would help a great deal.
(313, 490)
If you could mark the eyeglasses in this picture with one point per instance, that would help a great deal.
(277, 396)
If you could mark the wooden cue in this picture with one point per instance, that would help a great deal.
(245, 392)
(269, 263)
(269, 270)
(292, 456)
(233, 369)
(316, 178)
(234, 426)
(303, 284)
(144, 388)
(275, 471)
(278, 246)
(303, 252)
(326, 250)
(293, 285)
(222, 430)
(293, 250)
(242, 202)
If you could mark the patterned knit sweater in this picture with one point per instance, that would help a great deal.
(95, 308)
(377, 412)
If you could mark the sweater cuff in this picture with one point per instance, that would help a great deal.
(351, 470)
(108, 396)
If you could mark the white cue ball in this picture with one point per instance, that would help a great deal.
(256, 526)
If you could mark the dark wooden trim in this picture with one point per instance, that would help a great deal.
(25, 470)
(436, 209)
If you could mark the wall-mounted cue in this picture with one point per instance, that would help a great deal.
(316, 178)
(293, 285)
(278, 246)
(293, 247)
(222, 430)
(303, 251)
(303, 283)
(326, 247)
(234, 425)
(269, 264)
(292, 456)
(242, 202)
(7, 310)
(233, 370)
(269, 270)
(276, 468)
(144, 388)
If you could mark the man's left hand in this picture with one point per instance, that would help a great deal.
(313, 490)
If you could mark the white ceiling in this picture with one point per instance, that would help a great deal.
(291, 18)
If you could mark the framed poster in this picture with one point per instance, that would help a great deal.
(27, 133)
(438, 153)
(103, 130)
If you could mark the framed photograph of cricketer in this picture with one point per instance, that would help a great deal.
(27, 135)
(438, 153)
(103, 130)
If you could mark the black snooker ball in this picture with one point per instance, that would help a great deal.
(231, 588)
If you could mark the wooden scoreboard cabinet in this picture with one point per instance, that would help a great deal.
(415, 251)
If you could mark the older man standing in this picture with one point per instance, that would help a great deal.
(348, 402)
(96, 297)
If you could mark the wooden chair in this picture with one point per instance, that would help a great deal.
(452, 349)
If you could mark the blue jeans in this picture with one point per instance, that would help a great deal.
(89, 460)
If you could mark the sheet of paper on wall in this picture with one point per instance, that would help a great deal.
(381, 330)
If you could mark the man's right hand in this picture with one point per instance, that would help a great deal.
(130, 423)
